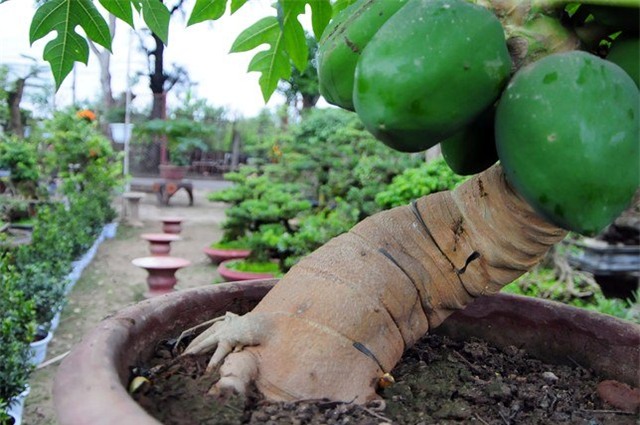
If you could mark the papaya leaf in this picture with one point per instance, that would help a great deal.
(63, 16)
(286, 39)
(295, 43)
(207, 10)
(121, 9)
(272, 63)
(321, 12)
(236, 4)
(156, 16)
(262, 32)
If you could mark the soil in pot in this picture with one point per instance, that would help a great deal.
(438, 381)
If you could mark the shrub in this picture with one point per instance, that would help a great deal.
(542, 282)
(20, 157)
(41, 284)
(17, 329)
(413, 183)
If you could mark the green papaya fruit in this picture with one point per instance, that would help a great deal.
(429, 71)
(473, 149)
(342, 42)
(567, 137)
(626, 54)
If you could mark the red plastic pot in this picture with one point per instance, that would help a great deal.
(218, 255)
(230, 275)
(91, 383)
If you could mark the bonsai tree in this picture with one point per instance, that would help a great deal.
(339, 321)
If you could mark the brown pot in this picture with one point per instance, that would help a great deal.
(91, 383)
(172, 172)
(218, 255)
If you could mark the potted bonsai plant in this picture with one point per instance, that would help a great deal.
(339, 321)
(17, 328)
(43, 284)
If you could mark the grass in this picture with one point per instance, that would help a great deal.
(254, 266)
(230, 245)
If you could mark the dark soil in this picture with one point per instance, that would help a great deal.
(438, 381)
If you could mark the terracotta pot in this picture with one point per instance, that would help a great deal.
(161, 273)
(160, 243)
(218, 255)
(172, 225)
(172, 172)
(91, 383)
(230, 275)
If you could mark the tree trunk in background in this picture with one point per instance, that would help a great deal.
(157, 81)
(432, 153)
(15, 97)
(235, 148)
(104, 61)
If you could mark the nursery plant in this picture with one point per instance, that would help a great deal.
(17, 330)
(20, 157)
(339, 321)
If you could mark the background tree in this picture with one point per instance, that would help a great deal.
(302, 90)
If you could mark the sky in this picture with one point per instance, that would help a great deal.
(221, 77)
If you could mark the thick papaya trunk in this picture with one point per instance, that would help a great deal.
(343, 316)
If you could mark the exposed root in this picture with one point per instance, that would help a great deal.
(188, 332)
(231, 334)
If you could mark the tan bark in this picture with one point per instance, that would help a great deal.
(345, 314)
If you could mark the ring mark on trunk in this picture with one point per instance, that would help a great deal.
(423, 223)
(357, 291)
(416, 213)
(364, 350)
(427, 308)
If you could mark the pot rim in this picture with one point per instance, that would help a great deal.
(90, 385)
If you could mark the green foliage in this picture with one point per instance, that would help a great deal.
(286, 39)
(542, 282)
(303, 86)
(315, 230)
(39, 283)
(431, 177)
(235, 244)
(334, 157)
(283, 33)
(20, 157)
(17, 329)
(254, 266)
(183, 136)
(257, 201)
(68, 47)
(324, 180)
(79, 154)
(259, 134)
